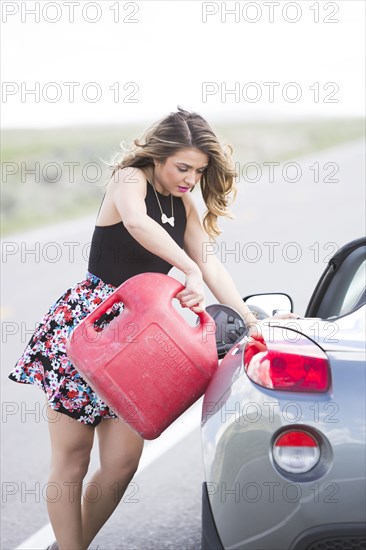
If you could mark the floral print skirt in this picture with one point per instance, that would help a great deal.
(44, 361)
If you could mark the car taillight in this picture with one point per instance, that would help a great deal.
(301, 366)
(296, 451)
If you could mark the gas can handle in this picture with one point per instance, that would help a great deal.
(204, 317)
(206, 321)
(128, 292)
(170, 287)
(103, 308)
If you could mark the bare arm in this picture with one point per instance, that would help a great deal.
(215, 275)
(128, 190)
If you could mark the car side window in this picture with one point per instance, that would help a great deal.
(356, 291)
(342, 288)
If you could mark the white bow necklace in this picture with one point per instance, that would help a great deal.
(164, 217)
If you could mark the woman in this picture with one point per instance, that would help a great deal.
(147, 222)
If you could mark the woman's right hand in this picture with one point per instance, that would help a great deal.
(193, 295)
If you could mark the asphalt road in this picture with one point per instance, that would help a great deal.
(283, 234)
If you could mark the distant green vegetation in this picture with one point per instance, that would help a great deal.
(50, 175)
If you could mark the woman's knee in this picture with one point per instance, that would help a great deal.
(121, 466)
(71, 464)
(120, 449)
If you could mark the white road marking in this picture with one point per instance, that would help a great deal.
(154, 449)
(40, 540)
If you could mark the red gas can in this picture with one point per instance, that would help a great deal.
(149, 365)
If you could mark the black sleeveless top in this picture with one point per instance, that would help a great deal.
(115, 255)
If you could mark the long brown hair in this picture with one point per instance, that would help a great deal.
(180, 130)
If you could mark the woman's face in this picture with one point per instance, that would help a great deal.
(180, 172)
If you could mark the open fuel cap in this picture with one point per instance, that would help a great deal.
(230, 326)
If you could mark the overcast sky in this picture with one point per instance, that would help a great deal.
(139, 60)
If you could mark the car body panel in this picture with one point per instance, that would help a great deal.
(275, 503)
(252, 502)
(344, 333)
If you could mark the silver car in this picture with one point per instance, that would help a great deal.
(283, 422)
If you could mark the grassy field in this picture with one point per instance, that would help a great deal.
(49, 175)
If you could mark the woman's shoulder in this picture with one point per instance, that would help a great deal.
(129, 179)
(129, 174)
(127, 185)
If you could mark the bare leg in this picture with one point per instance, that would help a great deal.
(120, 449)
(71, 443)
